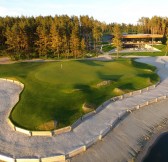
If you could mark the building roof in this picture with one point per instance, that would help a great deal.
(142, 36)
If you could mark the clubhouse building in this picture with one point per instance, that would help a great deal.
(138, 40)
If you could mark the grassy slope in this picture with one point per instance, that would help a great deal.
(52, 93)
(107, 48)
(161, 47)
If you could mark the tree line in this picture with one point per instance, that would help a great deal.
(59, 36)
(64, 36)
(145, 25)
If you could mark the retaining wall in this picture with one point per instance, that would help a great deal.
(22, 131)
(11, 124)
(91, 142)
(62, 130)
(76, 151)
(59, 158)
(41, 133)
(6, 158)
(152, 101)
(27, 160)
(88, 115)
(75, 124)
(104, 133)
(143, 104)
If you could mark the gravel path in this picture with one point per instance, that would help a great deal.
(18, 145)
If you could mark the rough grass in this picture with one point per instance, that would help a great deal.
(107, 48)
(161, 47)
(57, 94)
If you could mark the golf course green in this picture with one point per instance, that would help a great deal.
(55, 92)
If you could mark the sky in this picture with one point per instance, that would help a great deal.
(119, 11)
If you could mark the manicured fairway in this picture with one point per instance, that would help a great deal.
(56, 91)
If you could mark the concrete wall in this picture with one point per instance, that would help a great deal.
(76, 151)
(41, 133)
(136, 92)
(143, 104)
(27, 160)
(88, 115)
(11, 124)
(103, 134)
(161, 98)
(152, 101)
(24, 131)
(6, 158)
(100, 108)
(59, 158)
(62, 130)
(75, 124)
(92, 141)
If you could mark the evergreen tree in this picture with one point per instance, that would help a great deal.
(83, 46)
(55, 41)
(166, 48)
(117, 38)
(75, 39)
(97, 34)
(42, 43)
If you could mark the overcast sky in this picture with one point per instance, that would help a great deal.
(126, 11)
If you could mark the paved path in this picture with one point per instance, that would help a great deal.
(6, 60)
(125, 141)
(18, 145)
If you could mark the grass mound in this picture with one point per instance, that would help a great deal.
(56, 93)
(118, 91)
(88, 107)
(104, 83)
(50, 125)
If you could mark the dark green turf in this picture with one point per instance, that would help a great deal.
(55, 93)
(107, 48)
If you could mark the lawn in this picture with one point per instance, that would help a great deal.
(161, 47)
(55, 91)
(107, 48)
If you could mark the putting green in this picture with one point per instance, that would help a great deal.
(55, 91)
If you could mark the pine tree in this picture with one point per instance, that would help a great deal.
(117, 38)
(166, 47)
(55, 40)
(97, 34)
(75, 38)
(83, 46)
(42, 43)
(75, 43)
